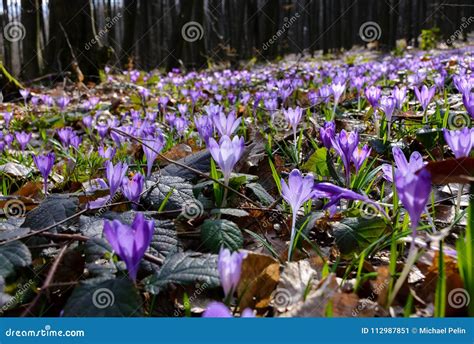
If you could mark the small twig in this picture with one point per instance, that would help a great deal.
(47, 281)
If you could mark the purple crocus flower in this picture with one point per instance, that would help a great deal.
(468, 100)
(107, 153)
(336, 193)
(75, 141)
(226, 153)
(327, 134)
(87, 120)
(44, 164)
(152, 147)
(462, 84)
(399, 94)
(387, 104)
(402, 165)
(130, 242)
(7, 117)
(373, 94)
(25, 93)
(65, 135)
(204, 127)
(439, 81)
(226, 125)
(132, 189)
(360, 155)
(8, 138)
(182, 109)
(460, 141)
(298, 190)
(345, 143)
(219, 310)
(413, 191)
(337, 91)
(229, 266)
(115, 175)
(425, 95)
(63, 102)
(324, 93)
(23, 139)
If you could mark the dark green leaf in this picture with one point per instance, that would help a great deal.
(179, 190)
(109, 298)
(263, 196)
(185, 268)
(13, 255)
(354, 234)
(198, 161)
(218, 233)
(317, 163)
(52, 210)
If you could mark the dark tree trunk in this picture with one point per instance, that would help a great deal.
(75, 18)
(32, 54)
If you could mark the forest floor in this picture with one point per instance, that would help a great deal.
(338, 182)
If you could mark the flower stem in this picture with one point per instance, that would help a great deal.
(458, 200)
(292, 238)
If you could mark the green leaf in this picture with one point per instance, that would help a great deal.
(317, 162)
(218, 233)
(354, 234)
(174, 190)
(263, 196)
(13, 255)
(185, 268)
(52, 210)
(110, 298)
